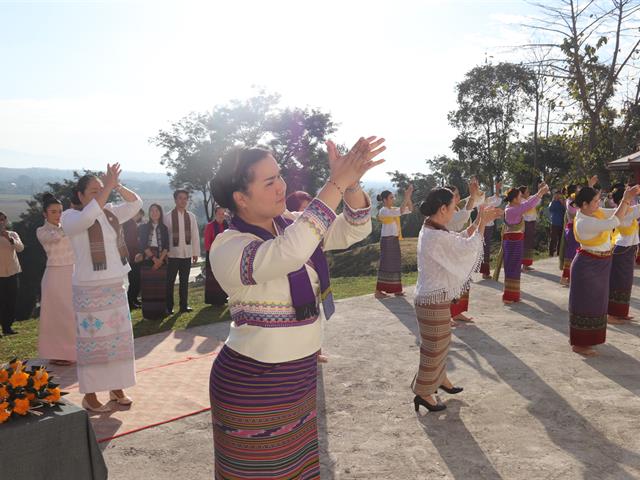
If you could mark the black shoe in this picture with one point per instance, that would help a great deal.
(9, 332)
(452, 390)
(418, 400)
(186, 310)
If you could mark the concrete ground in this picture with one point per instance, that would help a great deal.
(531, 409)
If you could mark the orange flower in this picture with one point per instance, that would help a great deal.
(21, 406)
(54, 395)
(3, 392)
(31, 396)
(19, 379)
(40, 378)
(4, 413)
(4, 375)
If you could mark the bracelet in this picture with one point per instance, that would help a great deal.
(355, 189)
(336, 185)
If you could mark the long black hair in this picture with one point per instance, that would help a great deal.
(47, 200)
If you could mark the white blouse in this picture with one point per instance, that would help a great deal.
(629, 240)
(494, 201)
(253, 272)
(56, 244)
(391, 229)
(446, 261)
(76, 225)
(590, 227)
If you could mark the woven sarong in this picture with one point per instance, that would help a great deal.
(434, 321)
(529, 243)
(390, 266)
(621, 280)
(153, 284)
(485, 267)
(588, 299)
(213, 292)
(264, 418)
(104, 338)
(512, 245)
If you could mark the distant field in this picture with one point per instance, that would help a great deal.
(14, 205)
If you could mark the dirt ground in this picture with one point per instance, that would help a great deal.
(531, 409)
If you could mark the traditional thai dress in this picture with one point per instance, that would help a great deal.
(104, 339)
(153, 281)
(569, 244)
(390, 265)
(485, 268)
(590, 272)
(213, 292)
(263, 382)
(446, 261)
(513, 246)
(57, 325)
(458, 223)
(530, 218)
(626, 241)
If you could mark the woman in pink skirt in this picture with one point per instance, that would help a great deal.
(57, 335)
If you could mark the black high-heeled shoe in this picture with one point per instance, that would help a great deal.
(418, 400)
(452, 390)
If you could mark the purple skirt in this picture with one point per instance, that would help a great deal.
(588, 299)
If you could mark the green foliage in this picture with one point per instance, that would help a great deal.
(195, 145)
(491, 101)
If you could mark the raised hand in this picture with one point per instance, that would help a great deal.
(348, 169)
(631, 192)
(593, 180)
(489, 214)
(543, 188)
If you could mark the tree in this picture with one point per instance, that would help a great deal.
(492, 99)
(196, 144)
(595, 50)
(297, 140)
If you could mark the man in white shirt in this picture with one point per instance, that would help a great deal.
(184, 248)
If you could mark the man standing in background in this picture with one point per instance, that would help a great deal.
(556, 211)
(184, 248)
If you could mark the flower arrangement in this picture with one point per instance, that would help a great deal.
(23, 391)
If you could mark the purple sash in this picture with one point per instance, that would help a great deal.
(302, 294)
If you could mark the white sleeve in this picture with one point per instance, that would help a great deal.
(351, 226)
(591, 226)
(389, 212)
(125, 210)
(455, 253)
(239, 259)
(77, 221)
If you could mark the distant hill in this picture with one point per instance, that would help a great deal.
(27, 181)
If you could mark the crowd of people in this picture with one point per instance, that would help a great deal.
(265, 254)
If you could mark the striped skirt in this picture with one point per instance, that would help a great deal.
(588, 299)
(512, 244)
(153, 287)
(264, 418)
(621, 280)
(104, 338)
(460, 305)
(485, 267)
(529, 243)
(213, 292)
(570, 248)
(390, 266)
(434, 321)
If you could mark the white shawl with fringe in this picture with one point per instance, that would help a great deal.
(446, 261)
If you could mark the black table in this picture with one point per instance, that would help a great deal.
(59, 445)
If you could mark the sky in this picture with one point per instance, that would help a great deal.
(84, 83)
